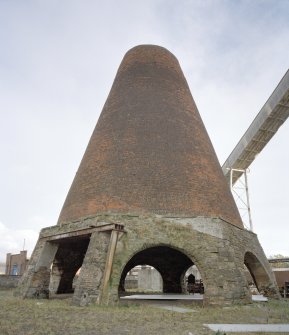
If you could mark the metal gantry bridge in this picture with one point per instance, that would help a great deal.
(265, 125)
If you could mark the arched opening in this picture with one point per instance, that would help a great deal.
(170, 263)
(193, 280)
(251, 282)
(258, 275)
(143, 279)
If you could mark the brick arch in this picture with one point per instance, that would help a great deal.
(170, 262)
(258, 271)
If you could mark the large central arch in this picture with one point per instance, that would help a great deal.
(169, 262)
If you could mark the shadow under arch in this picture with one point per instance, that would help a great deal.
(258, 272)
(67, 262)
(168, 261)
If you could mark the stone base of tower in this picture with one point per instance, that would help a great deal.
(106, 247)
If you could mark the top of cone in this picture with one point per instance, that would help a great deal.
(150, 151)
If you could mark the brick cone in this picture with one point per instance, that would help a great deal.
(150, 151)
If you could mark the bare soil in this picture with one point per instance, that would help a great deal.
(60, 317)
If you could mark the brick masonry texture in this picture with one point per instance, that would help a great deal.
(150, 151)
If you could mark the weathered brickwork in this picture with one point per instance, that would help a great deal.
(150, 151)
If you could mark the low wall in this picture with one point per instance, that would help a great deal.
(131, 283)
(7, 281)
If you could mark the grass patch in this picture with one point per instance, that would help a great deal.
(60, 317)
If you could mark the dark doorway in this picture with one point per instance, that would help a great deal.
(67, 261)
(193, 281)
(258, 273)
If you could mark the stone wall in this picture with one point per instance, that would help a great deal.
(169, 244)
(149, 280)
(216, 247)
(36, 278)
(89, 284)
(131, 283)
(7, 281)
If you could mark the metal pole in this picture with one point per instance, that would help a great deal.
(231, 180)
(248, 202)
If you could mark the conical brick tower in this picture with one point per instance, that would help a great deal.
(149, 190)
(150, 150)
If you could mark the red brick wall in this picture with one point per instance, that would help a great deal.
(150, 150)
(281, 277)
(19, 260)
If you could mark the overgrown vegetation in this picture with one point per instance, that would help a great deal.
(55, 317)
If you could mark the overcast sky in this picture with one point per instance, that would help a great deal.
(58, 60)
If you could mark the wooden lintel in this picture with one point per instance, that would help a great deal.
(85, 231)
